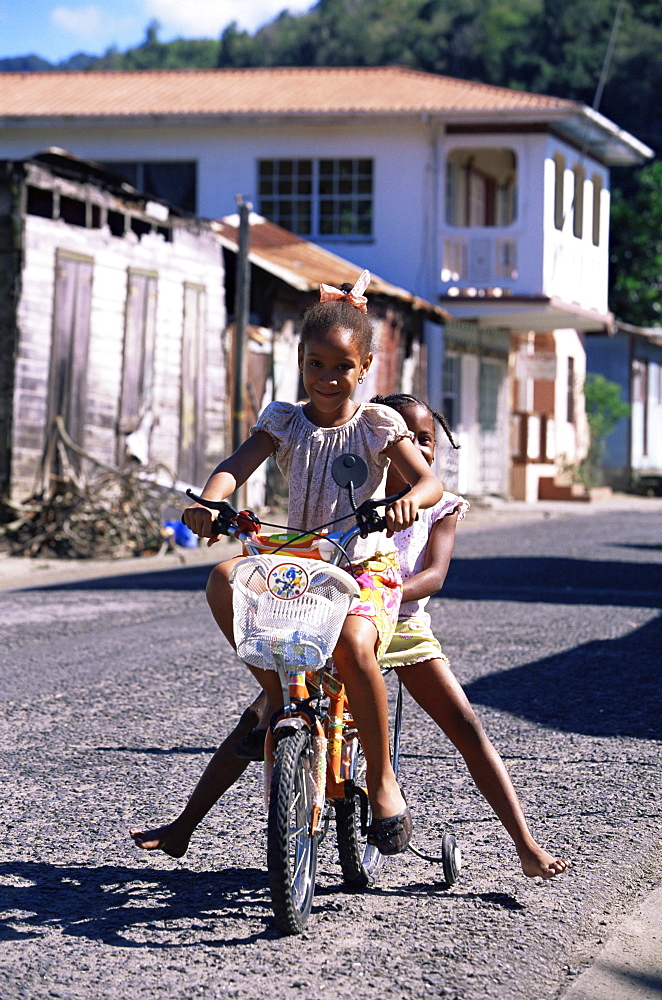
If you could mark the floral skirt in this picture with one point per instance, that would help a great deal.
(380, 583)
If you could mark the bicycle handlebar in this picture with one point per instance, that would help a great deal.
(367, 518)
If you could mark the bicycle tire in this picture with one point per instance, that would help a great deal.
(291, 847)
(451, 858)
(360, 863)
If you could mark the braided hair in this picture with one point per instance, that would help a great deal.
(400, 400)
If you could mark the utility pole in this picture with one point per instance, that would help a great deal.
(242, 297)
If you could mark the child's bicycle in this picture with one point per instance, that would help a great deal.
(289, 609)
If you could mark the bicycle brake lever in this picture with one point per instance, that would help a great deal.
(226, 512)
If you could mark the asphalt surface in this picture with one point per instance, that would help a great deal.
(114, 692)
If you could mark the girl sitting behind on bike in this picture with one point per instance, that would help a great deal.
(334, 354)
(425, 551)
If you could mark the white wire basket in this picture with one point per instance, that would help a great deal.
(289, 611)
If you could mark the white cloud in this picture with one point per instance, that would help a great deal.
(83, 22)
(207, 18)
(91, 23)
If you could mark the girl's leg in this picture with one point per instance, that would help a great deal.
(436, 689)
(221, 772)
(219, 599)
(354, 657)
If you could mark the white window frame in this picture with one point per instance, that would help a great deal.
(324, 193)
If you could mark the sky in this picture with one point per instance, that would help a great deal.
(55, 30)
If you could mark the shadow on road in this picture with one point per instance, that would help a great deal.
(607, 687)
(555, 580)
(156, 751)
(107, 903)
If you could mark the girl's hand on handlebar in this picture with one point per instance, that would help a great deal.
(401, 515)
(199, 519)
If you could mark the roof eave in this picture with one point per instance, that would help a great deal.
(529, 312)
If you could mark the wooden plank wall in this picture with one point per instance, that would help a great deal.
(193, 255)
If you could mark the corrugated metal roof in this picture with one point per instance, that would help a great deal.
(305, 266)
(273, 91)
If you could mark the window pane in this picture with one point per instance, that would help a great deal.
(287, 185)
(174, 181)
(286, 190)
(341, 212)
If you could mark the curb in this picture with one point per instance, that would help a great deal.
(629, 967)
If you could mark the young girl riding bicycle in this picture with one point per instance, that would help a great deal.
(334, 355)
(415, 654)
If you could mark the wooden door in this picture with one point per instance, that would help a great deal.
(70, 343)
(192, 414)
(136, 400)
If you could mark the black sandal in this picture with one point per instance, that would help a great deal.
(251, 746)
(391, 834)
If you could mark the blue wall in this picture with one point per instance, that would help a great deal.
(610, 356)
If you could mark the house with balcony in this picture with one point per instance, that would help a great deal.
(490, 202)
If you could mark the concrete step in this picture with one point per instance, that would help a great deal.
(550, 488)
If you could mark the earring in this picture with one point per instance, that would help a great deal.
(360, 379)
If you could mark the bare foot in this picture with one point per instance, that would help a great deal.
(164, 838)
(537, 862)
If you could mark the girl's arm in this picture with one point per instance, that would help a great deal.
(231, 473)
(438, 552)
(426, 488)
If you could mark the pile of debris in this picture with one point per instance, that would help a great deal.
(86, 509)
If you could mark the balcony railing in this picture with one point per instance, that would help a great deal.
(479, 261)
(572, 270)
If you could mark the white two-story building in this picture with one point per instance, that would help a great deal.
(491, 202)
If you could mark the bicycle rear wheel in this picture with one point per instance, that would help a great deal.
(291, 847)
(359, 861)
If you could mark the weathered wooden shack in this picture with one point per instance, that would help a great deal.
(112, 317)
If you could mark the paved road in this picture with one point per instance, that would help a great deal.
(114, 689)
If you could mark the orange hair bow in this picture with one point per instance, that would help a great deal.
(356, 297)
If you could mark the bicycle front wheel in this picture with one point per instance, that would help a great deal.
(291, 847)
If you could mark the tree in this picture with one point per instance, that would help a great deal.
(636, 250)
(604, 408)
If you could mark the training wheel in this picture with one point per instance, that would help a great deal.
(451, 858)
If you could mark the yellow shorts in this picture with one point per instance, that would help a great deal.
(412, 642)
(380, 583)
